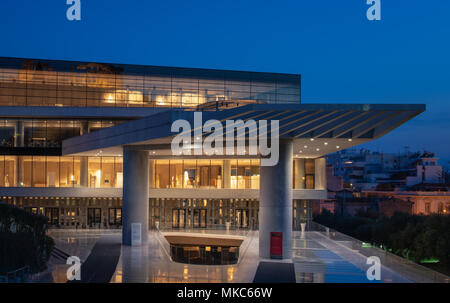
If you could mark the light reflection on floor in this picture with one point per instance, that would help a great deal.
(316, 258)
(151, 264)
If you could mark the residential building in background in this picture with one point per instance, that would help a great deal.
(362, 180)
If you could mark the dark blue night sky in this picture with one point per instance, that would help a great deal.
(343, 57)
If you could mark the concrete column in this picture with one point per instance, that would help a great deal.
(320, 178)
(226, 173)
(151, 173)
(299, 177)
(84, 172)
(275, 206)
(135, 193)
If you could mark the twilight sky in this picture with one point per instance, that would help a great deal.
(343, 57)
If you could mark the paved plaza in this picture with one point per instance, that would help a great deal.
(316, 259)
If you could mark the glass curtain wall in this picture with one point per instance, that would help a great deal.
(39, 83)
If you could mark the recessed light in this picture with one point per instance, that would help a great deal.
(338, 146)
(306, 146)
(350, 140)
(312, 139)
(317, 149)
(326, 143)
(300, 151)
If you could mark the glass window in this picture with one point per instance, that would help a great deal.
(118, 172)
(10, 171)
(25, 165)
(107, 172)
(7, 130)
(190, 176)
(254, 175)
(234, 174)
(2, 171)
(95, 172)
(39, 172)
(216, 173)
(75, 178)
(67, 178)
(176, 173)
(309, 173)
(52, 171)
(204, 171)
(162, 174)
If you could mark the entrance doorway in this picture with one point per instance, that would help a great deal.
(115, 216)
(94, 218)
(200, 217)
(242, 218)
(52, 213)
(178, 218)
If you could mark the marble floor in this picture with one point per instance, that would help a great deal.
(316, 258)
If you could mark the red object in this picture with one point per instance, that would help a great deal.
(276, 245)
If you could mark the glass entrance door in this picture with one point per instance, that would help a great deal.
(94, 217)
(52, 214)
(242, 218)
(178, 218)
(115, 216)
(200, 217)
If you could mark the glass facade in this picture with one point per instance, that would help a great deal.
(204, 213)
(46, 133)
(206, 173)
(107, 172)
(46, 171)
(57, 83)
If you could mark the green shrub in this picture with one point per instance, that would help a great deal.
(415, 237)
(23, 240)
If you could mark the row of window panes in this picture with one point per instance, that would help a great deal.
(206, 174)
(127, 98)
(41, 171)
(107, 172)
(102, 80)
(19, 87)
(45, 133)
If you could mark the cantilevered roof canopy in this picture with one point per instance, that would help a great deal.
(317, 129)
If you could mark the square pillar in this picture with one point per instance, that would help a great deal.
(275, 206)
(135, 193)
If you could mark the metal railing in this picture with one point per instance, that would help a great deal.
(408, 269)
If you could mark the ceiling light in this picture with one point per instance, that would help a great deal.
(326, 143)
(312, 139)
(350, 140)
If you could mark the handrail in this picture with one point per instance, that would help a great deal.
(410, 270)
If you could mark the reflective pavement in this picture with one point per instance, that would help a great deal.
(316, 258)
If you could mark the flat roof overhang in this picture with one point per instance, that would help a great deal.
(317, 129)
